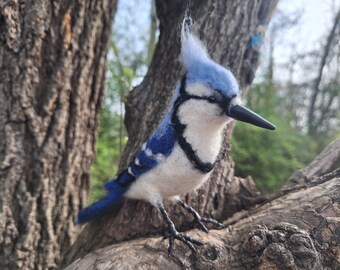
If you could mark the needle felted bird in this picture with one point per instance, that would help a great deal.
(181, 153)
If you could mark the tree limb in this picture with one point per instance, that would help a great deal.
(296, 231)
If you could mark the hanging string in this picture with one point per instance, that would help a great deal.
(187, 22)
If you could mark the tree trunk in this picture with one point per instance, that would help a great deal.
(296, 228)
(52, 69)
(228, 28)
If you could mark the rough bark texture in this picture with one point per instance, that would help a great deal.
(298, 229)
(227, 28)
(52, 67)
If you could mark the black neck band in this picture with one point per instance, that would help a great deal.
(204, 167)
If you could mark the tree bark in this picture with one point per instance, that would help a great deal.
(227, 28)
(52, 69)
(298, 229)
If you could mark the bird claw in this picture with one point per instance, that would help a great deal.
(212, 221)
(173, 234)
(201, 226)
(200, 220)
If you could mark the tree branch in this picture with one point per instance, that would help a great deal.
(296, 231)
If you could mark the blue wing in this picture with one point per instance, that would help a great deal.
(158, 146)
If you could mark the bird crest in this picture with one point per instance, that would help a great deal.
(193, 50)
(199, 66)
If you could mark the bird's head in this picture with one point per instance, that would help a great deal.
(206, 81)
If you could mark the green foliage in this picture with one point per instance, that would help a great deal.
(111, 134)
(108, 151)
(270, 157)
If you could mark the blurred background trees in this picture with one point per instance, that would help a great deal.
(297, 88)
(301, 96)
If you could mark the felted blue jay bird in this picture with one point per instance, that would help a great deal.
(182, 152)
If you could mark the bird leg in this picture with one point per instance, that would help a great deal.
(173, 234)
(198, 219)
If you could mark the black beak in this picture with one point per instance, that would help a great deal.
(243, 114)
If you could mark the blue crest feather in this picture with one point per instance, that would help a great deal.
(200, 67)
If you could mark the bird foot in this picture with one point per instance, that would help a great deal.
(173, 234)
(201, 220)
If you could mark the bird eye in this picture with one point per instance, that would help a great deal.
(212, 99)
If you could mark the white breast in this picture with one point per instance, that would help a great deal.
(174, 176)
(204, 127)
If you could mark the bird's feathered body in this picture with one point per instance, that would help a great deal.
(161, 168)
(175, 174)
(182, 152)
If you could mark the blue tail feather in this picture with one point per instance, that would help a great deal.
(101, 207)
(124, 178)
